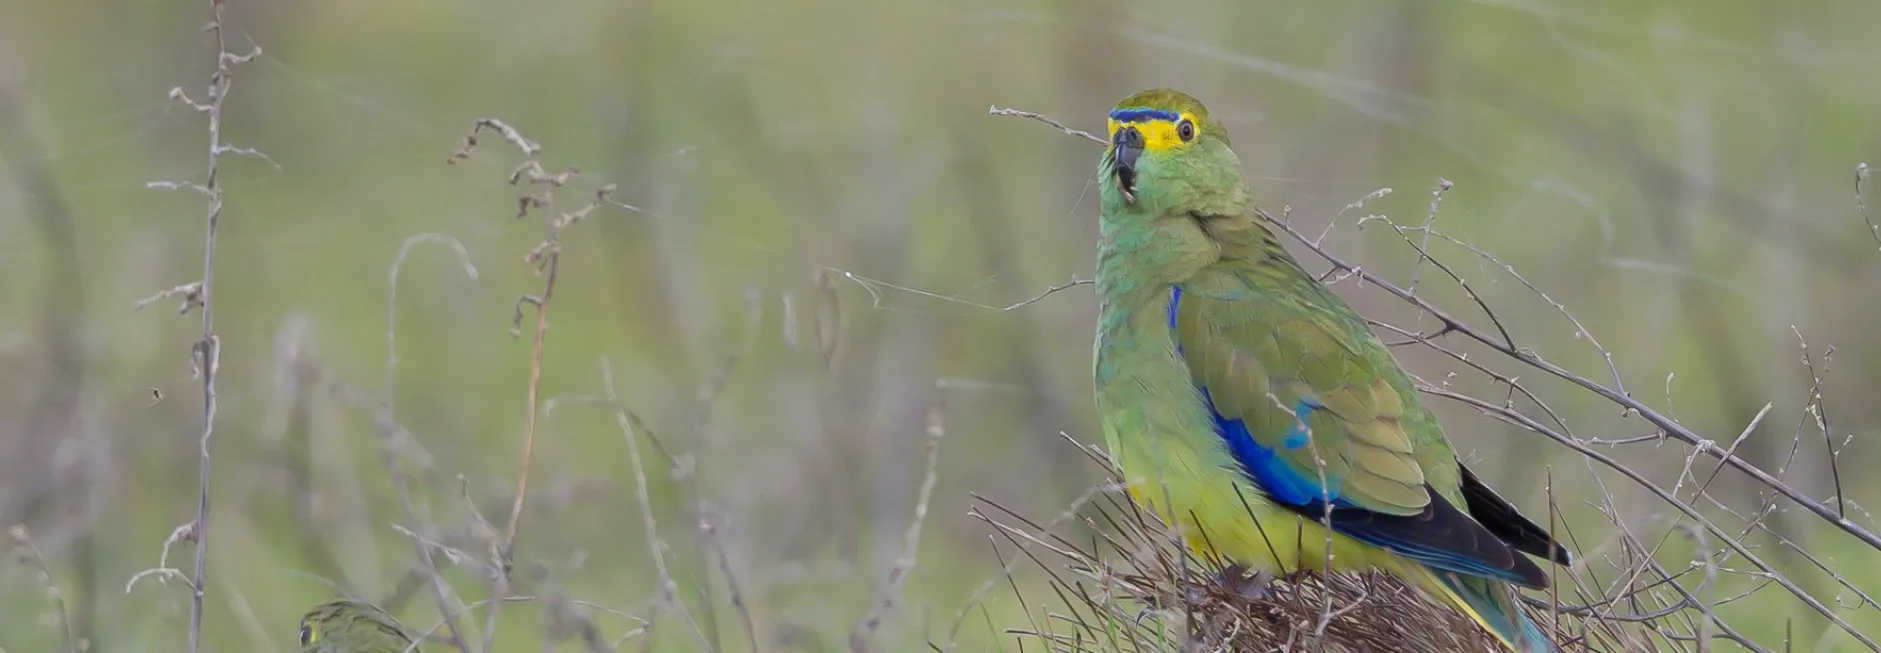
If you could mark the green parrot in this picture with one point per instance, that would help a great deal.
(1240, 397)
(349, 626)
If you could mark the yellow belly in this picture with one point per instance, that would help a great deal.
(1219, 526)
(1223, 521)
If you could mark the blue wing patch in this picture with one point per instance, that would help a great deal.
(1441, 537)
(1274, 476)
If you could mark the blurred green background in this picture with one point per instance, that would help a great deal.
(1678, 174)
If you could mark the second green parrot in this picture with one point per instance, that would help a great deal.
(1244, 401)
(349, 626)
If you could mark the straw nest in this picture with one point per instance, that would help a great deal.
(1337, 613)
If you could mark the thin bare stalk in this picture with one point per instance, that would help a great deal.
(547, 259)
(862, 640)
(1861, 202)
(205, 352)
(391, 432)
(629, 427)
(37, 561)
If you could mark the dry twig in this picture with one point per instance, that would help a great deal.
(546, 257)
(30, 556)
(205, 353)
(862, 640)
(394, 438)
(1861, 201)
(630, 425)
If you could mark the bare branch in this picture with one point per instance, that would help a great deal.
(394, 438)
(546, 257)
(393, 435)
(1048, 292)
(862, 639)
(163, 572)
(391, 299)
(1652, 416)
(994, 110)
(1861, 202)
(37, 561)
(178, 185)
(191, 292)
(1814, 410)
(1436, 201)
(630, 426)
(206, 351)
(1684, 508)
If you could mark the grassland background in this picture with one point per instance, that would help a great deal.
(1677, 173)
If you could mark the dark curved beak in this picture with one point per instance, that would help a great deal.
(1127, 146)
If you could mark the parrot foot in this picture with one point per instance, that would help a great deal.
(1238, 580)
(1299, 575)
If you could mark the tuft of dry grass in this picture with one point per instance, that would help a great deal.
(1375, 612)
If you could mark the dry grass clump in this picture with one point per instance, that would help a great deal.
(1371, 612)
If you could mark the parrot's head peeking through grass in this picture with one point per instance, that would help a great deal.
(1165, 152)
(348, 626)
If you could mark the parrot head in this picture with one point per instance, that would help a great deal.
(1158, 140)
(1170, 190)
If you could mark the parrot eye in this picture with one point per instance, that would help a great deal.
(306, 635)
(1185, 130)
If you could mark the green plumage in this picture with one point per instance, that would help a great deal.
(348, 626)
(1258, 325)
(1244, 400)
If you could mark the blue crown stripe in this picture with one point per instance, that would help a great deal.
(1144, 115)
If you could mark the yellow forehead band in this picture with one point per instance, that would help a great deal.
(1159, 128)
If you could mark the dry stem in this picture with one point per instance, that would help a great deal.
(547, 259)
(393, 435)
(205, 352)
(32, 557)
(862, 639)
